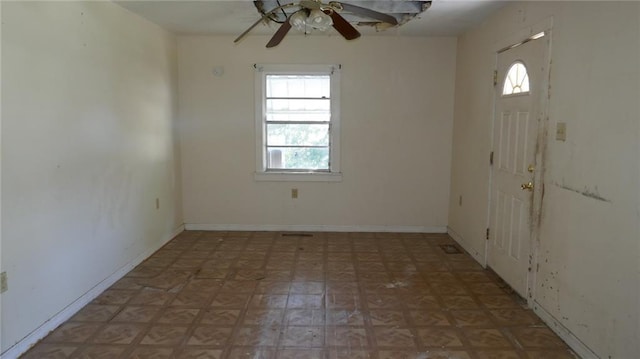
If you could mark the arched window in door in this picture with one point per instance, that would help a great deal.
(517, 80)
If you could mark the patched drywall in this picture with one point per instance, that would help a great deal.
(88, 108)
(588, 276)
(396, 118)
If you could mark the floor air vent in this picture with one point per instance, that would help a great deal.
(450, 248)
(297, 235)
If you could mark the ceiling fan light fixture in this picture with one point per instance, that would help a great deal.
(318, 20)
(317, 15)
(298, 20)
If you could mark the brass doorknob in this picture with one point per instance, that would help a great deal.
(528, 185)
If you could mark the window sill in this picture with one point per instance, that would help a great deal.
(298, 176)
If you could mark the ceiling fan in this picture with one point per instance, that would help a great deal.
(317, 15)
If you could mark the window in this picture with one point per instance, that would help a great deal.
(298, 122)
(517, 80)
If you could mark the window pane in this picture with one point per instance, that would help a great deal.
(517, 80)
(298, 86)
(298, 158)
(525, 83)
(297, 135)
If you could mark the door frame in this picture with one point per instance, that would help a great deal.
(541, 112)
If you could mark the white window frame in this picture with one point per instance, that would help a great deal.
(261, 173)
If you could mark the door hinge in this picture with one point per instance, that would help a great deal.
(495, 77)
(491, 158)
(487, 234)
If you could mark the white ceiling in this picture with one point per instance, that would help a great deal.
(216, 17)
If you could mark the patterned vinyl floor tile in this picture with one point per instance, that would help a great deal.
(272, 295)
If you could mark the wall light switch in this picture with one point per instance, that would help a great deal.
(157, 203)
(4, 286)
(294, 193)
(561, 131)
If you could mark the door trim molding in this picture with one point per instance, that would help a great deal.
(523, 34)
(538, 193)
(541, 110)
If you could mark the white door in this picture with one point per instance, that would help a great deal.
(520, 77)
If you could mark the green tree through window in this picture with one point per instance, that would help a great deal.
(298, 122)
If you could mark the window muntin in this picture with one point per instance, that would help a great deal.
(517, 80)
(299, 109)
(298, 120)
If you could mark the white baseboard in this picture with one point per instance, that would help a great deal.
(478, 256)
(565, 334)
(312, 228)
(27, 342)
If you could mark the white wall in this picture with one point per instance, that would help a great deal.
(397, 110)
(1, 266)
(589, 272)
(88, 95)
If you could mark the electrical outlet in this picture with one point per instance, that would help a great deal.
(294, 193)
(4, 286)
(561, 131)
(157, 203)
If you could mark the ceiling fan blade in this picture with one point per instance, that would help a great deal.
(280, 34)
(342, 26)
(369, 13)
(310, 4)
(249, 29)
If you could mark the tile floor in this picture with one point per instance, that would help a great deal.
(317, 295)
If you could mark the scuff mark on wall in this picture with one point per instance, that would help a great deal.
(593, 194)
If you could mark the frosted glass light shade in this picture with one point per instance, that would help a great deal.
(319, 20)
(298, 20)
